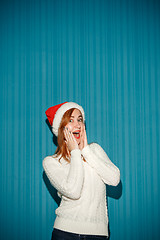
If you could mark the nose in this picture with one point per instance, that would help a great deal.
(77, 124)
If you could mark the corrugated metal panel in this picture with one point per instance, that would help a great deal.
(104, 55)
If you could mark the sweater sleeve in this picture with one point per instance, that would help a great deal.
(68, 184)
(98, 159)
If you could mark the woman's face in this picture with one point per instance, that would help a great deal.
(75, 124)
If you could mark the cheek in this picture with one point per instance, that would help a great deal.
(69, 126)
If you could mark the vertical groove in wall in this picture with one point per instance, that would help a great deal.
(104, 55)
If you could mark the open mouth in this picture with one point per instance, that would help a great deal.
(76, 135)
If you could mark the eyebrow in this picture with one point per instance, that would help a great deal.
(78, 116)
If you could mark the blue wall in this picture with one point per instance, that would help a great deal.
(105, 55)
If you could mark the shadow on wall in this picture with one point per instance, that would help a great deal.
(50, 128)
(51, 189)
(114, 191)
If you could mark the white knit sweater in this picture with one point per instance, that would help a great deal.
(81, 186)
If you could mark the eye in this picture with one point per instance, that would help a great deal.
(71, 120)
(80, 120)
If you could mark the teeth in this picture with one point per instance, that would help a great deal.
(76, 133)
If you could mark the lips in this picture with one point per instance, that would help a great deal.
(76, 134)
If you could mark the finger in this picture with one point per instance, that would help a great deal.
(82, 133)
(69, 135)
(85, 139)
(66, 135)
(72, 137)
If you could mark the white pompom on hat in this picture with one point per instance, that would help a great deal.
(55, 114)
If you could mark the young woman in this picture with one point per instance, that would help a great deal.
(79, 172)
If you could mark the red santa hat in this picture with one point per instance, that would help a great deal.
(55, 114)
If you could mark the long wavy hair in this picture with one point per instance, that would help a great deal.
(61, 150)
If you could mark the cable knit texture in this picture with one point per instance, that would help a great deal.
(81, 186)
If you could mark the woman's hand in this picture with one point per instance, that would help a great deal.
(70, 140)
(83, 142)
